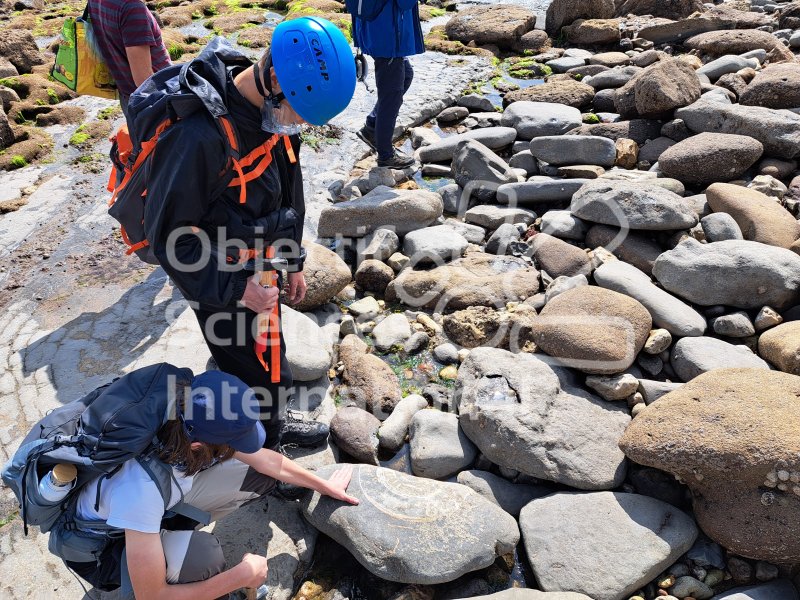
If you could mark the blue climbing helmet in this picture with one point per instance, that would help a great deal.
(314, 67)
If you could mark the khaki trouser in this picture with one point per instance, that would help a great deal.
(196, 555)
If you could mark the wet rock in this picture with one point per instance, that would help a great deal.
(628, 246)
(446, 354)
(368, 381)
(539, 189)
(632, 205)
(491, 217)
(535, 119)
(592, 329)
(564, 12)
(416, 343)
(670, 9)
(778, 131)
(19, 48)
(710, 157)
(718, 227)
(735, 325)
(365, 309)
(491, 137)
(439, 449)
(556, 257)
(501, 25)
(423, 136)
(509, 404)
(759, 217)
(476, 103)
(452, 114)
(567, 529)
(735, 273)
(373, 276)
(381, 244)
(534, 41)
(593, 32)
(569, 92)
(774, 590)
(719, 43)
(509, 496)
(392, 331)
(500, 241)
(781, 346)
(434, 245)
(326, 275)
(582, 150)
(565, 63)
(478, 279)
(308, 351)
(479, 170)
(739, 440)
(658, 90)
(355, 431)
(691, 357)
(393, 431)
(405, 210)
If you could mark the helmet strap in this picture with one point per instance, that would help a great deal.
(266, 71)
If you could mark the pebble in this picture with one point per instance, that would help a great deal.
(618, 387)
(766, 571)
(666, 582)
(446, 354)
(741, 571)
(735, 325)
(658, 341)
(366, 308)
(463, 354)
(637, 409)
(449, 373)
(689, 586)
(398, 261)
(416, 343)
(714, 577)
(429, 323)
(652, 365)
(347, 326)
(767, 317)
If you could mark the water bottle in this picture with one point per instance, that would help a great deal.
(55, 486)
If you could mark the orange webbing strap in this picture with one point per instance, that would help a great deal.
(269, 332)
(131, 246)
(289, 150)
(146, 150)
(112, 179)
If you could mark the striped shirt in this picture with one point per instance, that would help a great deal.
(120, 24)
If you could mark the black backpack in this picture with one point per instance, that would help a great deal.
(161, 101)
(115, 423)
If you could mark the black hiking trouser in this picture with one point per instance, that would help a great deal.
(393, 77)
(231, 339)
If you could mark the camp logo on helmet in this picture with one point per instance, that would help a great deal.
(316, 46)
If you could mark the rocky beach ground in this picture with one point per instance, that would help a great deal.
(564, 350)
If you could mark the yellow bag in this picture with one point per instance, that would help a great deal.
(79, 65)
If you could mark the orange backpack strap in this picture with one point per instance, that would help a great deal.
(146, 150)
(268, 336)
(289, 150)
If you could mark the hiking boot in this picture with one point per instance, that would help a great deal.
(398, 161)
(367, 135)
(297, 431)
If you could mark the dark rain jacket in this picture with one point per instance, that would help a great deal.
(395, 32)
(187, 165)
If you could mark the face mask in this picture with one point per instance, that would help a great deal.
(276, 114)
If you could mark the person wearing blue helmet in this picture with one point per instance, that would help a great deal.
(307, 75)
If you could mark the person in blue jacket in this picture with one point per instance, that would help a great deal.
(389, 39)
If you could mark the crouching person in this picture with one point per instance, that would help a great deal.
(111, 475)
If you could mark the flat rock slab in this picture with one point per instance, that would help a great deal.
(398, 529)
(667, 311)
(606, 545)
(632, 205)
(694, 356)
(512, 406)
(533, 119)
(739, 451)
(491, 137)
(539, 190)
(574, 150)
(511, 497)
(403, 210)
(733, 273)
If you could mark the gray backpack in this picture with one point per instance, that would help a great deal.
(98, 434)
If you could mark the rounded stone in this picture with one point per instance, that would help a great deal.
(710, 157)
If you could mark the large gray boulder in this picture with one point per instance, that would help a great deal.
(534, 119)
(667, 311)
(691, 357)
(537, 190)
(511, 497)
(658, 90)
(565, 12)
(574, 150)
(439, 449)
(605, 544)
(479, 170)
(512, 406)
(491, 137)
(308, 350)
(736, 273)
(710, 157)
(501, 25)
(436, 245)
(396, 531)
(403, 210)
(632, 205)
(777, 130)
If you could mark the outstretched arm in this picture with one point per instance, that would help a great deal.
(284, 469)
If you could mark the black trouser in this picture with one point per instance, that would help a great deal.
(231, 338)
(393, 77)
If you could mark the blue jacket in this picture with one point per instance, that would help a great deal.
(396, 31)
